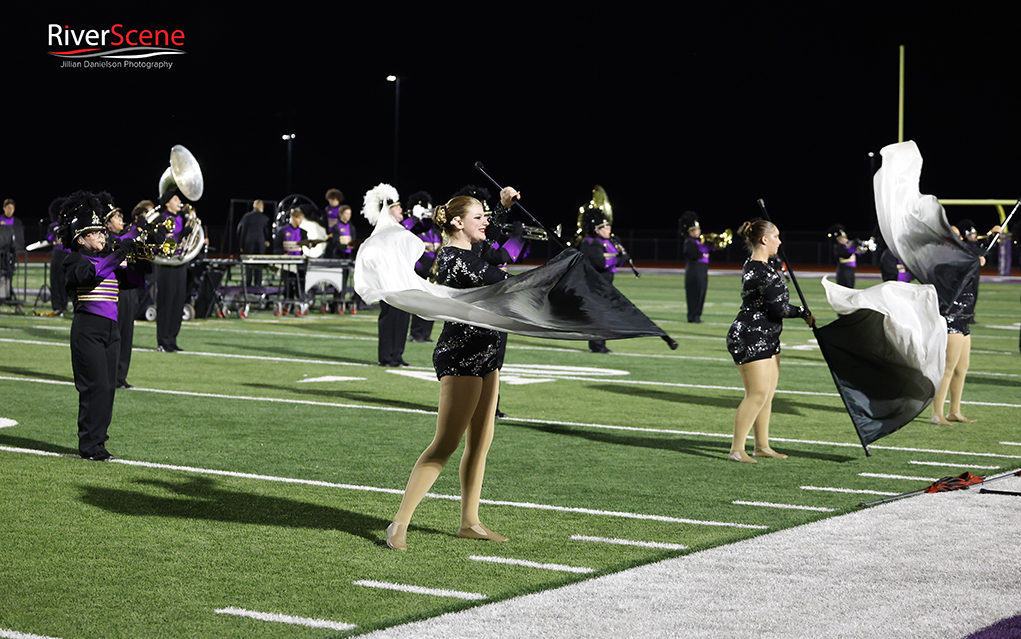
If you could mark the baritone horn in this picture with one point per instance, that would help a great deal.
(148, 249)
(718, 240)
(184, 175)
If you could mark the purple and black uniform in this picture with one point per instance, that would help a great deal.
(696, 276)
(93, 283)
(765, 302)
(847, 261)
(464, 350)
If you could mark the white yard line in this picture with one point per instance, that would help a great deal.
(882, 476)
(849, 490)
(630, 542)
(419, 590)
(766, 504)
(297, 621)
(395, 491)
(531, 564)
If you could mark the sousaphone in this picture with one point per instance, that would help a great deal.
(185, 175)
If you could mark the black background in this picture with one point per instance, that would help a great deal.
(668, 109)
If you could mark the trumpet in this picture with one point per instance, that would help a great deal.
(146, 250)
(717, 240)
(533, 233)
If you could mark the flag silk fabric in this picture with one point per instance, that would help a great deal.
(887, 352)
(915, 226)
(564, 299)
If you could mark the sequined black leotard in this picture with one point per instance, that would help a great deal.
(962, 312)
(462, 349)
(755, 334)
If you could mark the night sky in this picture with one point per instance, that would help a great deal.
(667, 109)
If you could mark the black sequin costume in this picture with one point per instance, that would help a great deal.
(962, 312)
(755, 334)
(462, 349)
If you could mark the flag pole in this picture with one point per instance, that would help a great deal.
(1013, 473)
(804, 302)
(996, 238)
(550, 233)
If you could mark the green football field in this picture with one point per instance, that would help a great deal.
(256, 471)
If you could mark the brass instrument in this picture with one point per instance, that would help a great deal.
(533, 233)
(602, 202)
(718, 240)
(185, 175)
(148, 251)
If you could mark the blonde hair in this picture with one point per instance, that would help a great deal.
(754, 231)
(455, 207)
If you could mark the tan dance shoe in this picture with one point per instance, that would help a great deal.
(397, 536)
(768, 452)
(958, 417)
(478, 531)
(741, 456)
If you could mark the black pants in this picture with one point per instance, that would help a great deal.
(696, 283)
(95, 349)
(421, 329)
(58, 291)
(393, 333)
(171, 293)
(127, 309)
(845, 275)
(595, 346)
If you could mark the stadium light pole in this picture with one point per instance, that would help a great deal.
(289, 138)
(396, 79)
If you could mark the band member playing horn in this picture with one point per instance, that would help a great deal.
(171, 279)
(127, 299)
(94, 279)
(466, 364)
(604, 254)
(696, 266)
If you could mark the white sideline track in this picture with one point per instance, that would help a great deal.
(932, 566)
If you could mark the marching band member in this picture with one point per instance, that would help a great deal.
(420, 205)
(696, 266)
(392, 324)
(94, 279)
(604, 254)
(127, 299)
(754, 338)
(171, 280)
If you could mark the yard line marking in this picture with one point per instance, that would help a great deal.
(552, 422)
(848, 490)
(882, 476)
(630, 542)
(297, 621)
(1011, 443)
(531, 564)
(766, 504)
(419, 590)
(7, 422)
(397, 491)
(14, 634)
(929, 463)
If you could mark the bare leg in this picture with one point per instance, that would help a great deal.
(957, 383)
(757, 378)
(761, 425)
(955, 342)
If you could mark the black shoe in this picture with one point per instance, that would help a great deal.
(401, 362)
(162, 349)
(100, 455)
(178, 349)
(500, 414)
(124, 385)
